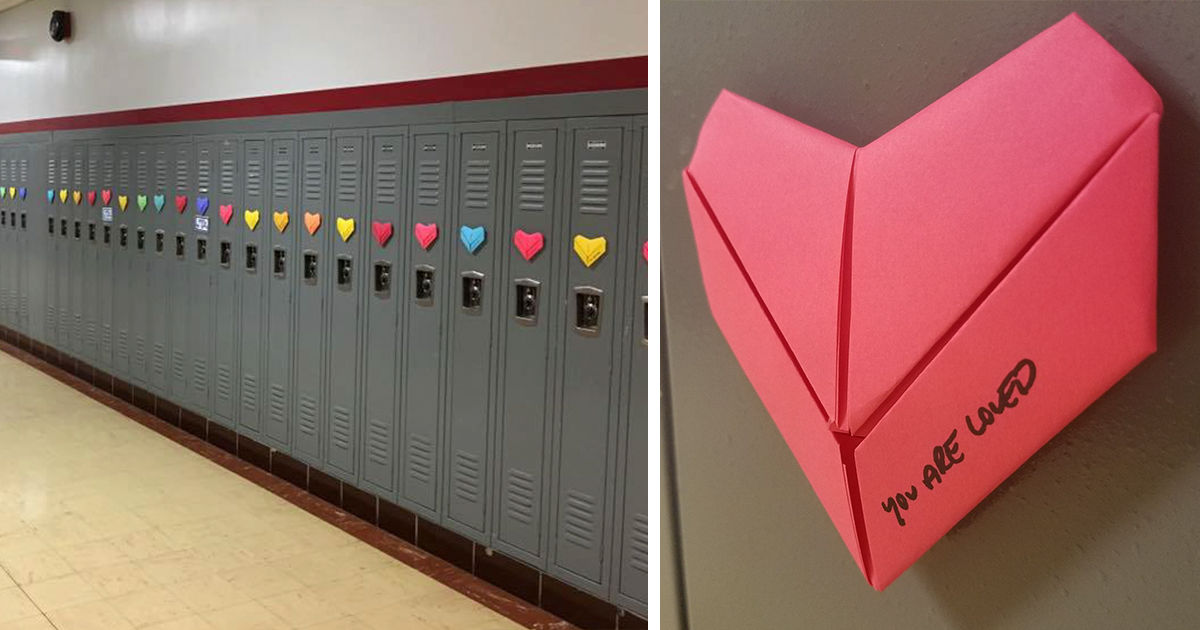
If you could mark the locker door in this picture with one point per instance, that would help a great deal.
(33, 161)
(591, 330)
(66, 318)
(529, 293)
(49, 229)
(123, 246)
(90, 252)
(176, 217)
(633, 552)
(279, 264)
(159, 270)
(254, 263)
(348, 276)
(312, 276)
(141, 236)
(105, 240)
(424, 306)
(79, 332)
(200, 251)
(385, 290)
(7, 245)
(226, 241)
(472, 322)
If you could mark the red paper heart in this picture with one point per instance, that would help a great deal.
(106, 196)
(528, 244)
(226, 213)
(382, 231)
(91, 196)
(180, 202)
(426, 233)
(646, 251)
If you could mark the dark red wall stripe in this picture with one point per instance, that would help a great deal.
(586, 76)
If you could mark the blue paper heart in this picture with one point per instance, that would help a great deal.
(202, 205)
(50, 196)
(159, 201)
(21, 191)
(471, 237)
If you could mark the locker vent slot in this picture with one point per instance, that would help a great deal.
(386, 174)
(379, 439)
(347, 180)
(91, 332)
(250, 392)
(224, 382)
(466, 476)
(278, 402)
(308, 415)
(203, 173)
(159, 359)
(123, 171)
(93, 168)
(478, 185)
(105, 339)
(123, 345)
(24, 170)
(227, 168)
(78, 169)
(533, 185)
(139, 351)
(200, 375)
(108, 168)
(580, 523)
(639, 544)
(143, 172)
(314, 180)
(63, 165)
(339, 428)
(4, 169)
(50, 172)
(253, 178)
(429, 182)
(420, 458)
(593, 186)
(520, 496)
(178, 361)
(281, 179)
(181, 171)
(160, 171)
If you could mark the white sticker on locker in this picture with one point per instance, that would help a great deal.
(106, 215)
(201, 224)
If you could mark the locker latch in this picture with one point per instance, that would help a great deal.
(3, 217)
(424, 285)
(124, 238)
(201, 248)
(180, 246)
(251, 257)
(343, 271)
(92, 232)
(108, 235)
(160, 238)
(226, 254)
(279, 262)
(383, 278)
(587, 310)
(310, 267)
(527, 301)
(78, 230)
(141, 239)
(22, 220)
(62, 228)
(645, 320)
(50, 224)
(472, 292)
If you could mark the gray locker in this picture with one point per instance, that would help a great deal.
(34, 208)
(8, 239)
(226, 243)
(177, 268)
(62, 199)
(312, 276)
(424, 307)
(279, 262)
(529, 292)
(141, 235)
(79, 332)
(385, 290)
(253, 261)
(123, 256)
(592, 318)
(200, 254)
(104, 215)
(347, 277)
(632, 561)
(159, 270)
(49, 230)
(90, 253)
(472, 322)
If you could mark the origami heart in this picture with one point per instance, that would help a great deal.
(426, 234)
(122, 201)
(62, 195)
(180, 202)
(345, 227)
(202, 205)
(281, 221)
(590, 250)
(21, 191)
(106, 196)
(312, 222)
(382, 232)
(159, 202)
(141, 202)
(948, 257)
(12, 192)
(91, 197)
(226, 212)
(251, 217)
(471, 237)
(646, 251)
(78, 197)
(528, 244)
(3, 192)
(50, 196)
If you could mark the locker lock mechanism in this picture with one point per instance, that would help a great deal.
(587, 310)
(107, 234)
(279, 262)
(201, 248)
(124, 238)
(343, 272)
(472, 292)
(527, 301)
(141, 239)
(424, 285)
(78, 231)
(159, 241)
(251, 257)
(383, 278)
(50, 222)
(226, 254)
(310, 267)
(180, 246)
(92, 232)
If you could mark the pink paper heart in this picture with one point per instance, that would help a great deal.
(91, 197)
(106, 196)
(180, 202)
(646, 251)
(426, 233)
(226, 213)
(382, 231)
(528, 244)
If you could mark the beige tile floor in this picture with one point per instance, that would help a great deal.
(106, 525)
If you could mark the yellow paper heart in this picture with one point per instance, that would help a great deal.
(590, 250)
(122, 201)
(78, 197)
(281, 221)
(345, 228)
(62, 195)
(12, 192)
(251, 217)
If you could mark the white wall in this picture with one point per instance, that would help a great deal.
(128, 54)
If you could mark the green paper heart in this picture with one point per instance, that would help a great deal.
(142, 200)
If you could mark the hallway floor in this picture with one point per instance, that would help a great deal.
(107, 525)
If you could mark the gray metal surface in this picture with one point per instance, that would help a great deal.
(225, 241)
(201, 256)
(253, 261)
(281, 175)
(179, 249)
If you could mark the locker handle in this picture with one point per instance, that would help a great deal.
(180, 246)
(424, 285)
(108, 235)
(310, 267)
(50, 224)
(159, 241)
(645, 320)
(62, 228)
(251, 257)
(124, 236)
(472, 292)
(78, 230)
(141, 239)
(92, 232)
(279, 262)
(22, 220)
(526, 301)
(587, 310)
(343, 271)
(201, 248)
(383, 278)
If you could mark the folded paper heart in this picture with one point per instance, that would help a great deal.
(472, 237)
(202, 205)
(91, 197)
(590, 250)
(528, 244)
(7, 192)
(78, 197)
(180, 202)
(226, 212)
(105, 196)
(62, 195)
(382, 232)
(160, 202)
(345, 227)
(251, 217)
(122, 201)
(1005, 235)
(21, 192)
(12, 192)
(141, 202)
(312, 222)
(281, 220)
(426, 234)
(646, 251)
(3, 192)
(50, 196)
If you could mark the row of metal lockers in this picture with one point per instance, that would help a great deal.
(451, 316)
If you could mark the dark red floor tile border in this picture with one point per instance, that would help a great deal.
(504, 585)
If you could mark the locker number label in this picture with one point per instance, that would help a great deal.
(201, 223)
(106, 214)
